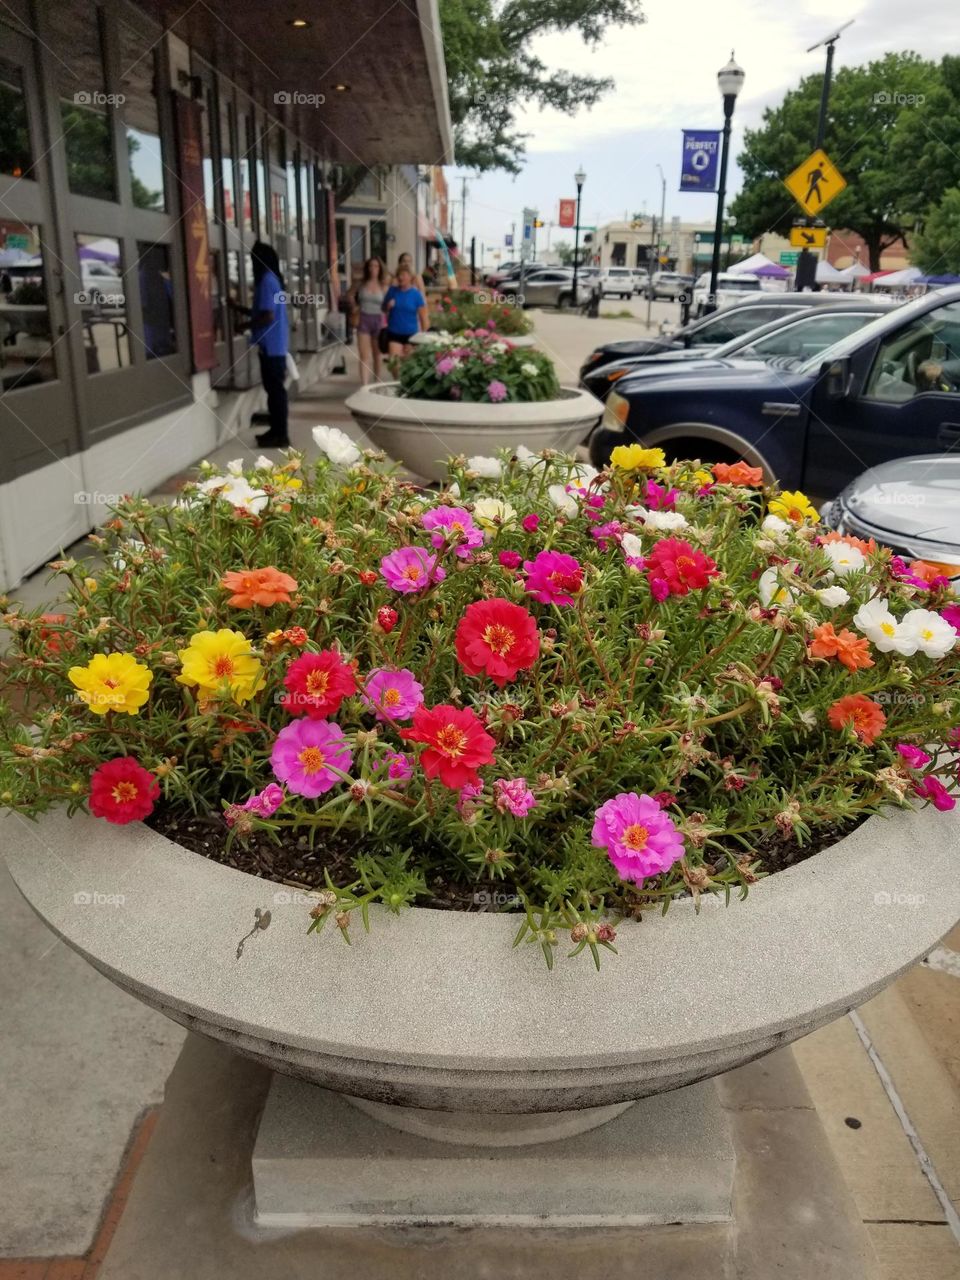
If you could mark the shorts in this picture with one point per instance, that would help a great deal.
(398, 337)
(369, 324)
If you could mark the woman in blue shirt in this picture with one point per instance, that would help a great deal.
(269, 331)
(406, 310)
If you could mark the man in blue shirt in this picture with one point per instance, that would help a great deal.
(269, 331)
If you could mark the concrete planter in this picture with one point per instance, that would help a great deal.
(434, 1010)
(423, 433)
(521, 340)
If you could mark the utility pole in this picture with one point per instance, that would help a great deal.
(463, 215)
(663, 214)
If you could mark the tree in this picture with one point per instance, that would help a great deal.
(936, 248)
(491, 69)
(868, 107)
(564, 252)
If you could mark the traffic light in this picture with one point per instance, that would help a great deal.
(538, 222)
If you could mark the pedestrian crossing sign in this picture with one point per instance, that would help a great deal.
(808, 237)
(815, 183)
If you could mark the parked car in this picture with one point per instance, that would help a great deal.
(547, 287)
(503, 272)
(616, 280)
(718, 327)
(669, 284)
(731, 289)
(793, 337)
(886, 391)
(911, 505)
(640, 278)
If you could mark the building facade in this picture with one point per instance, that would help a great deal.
(144, 149)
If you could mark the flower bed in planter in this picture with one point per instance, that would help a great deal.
(479, 309)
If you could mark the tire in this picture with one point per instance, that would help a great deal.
(565, 302)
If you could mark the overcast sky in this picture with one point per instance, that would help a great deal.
(665, 73)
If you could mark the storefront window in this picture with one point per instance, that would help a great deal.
(227, 152)
(16, 160)
(85, 106)
(102, 302)
(245, 135)
(378, 239)
(26, 344)
(206, 135)
(138, 67)
(261, 189)
(156, 300)
(292, 220)
(233, 287)
(306, 200)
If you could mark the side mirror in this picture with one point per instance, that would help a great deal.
(835, 378)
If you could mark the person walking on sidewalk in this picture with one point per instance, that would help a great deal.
(269, 331)
(406, 311)
(370, 296)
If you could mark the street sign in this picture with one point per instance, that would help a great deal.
(790, 257)
(699, 159)
(568, 213)
(508, 240)
(815, 183)
(808, 237)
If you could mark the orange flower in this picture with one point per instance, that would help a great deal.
(738, 473)
(864, 716)
(867, 547)
(923, 569)
(847, 647)
(258, 586)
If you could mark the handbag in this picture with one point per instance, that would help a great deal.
(383, 340)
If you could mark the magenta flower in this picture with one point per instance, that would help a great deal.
(446, 364)
(305, 754)
(468, 799)
(612, 531)
(932, 789)
(512, 795)
(530, 523)
(392, 695)
(661, 499)
(639, 837)
(951, 613)
(496, 391)
(262, 804)
(553, 577)
(914, 757)
(454, 525)
(399, 767)
(659, 589)
(454, 392)
(411, 569)
(953, 738)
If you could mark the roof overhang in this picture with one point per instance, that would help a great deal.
(394, 108)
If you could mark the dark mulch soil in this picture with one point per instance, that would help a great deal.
(292, 861)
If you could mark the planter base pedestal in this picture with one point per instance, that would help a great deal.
(322, 1161)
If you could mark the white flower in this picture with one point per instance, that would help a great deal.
(565, 502)
(931, 634)
(235, 468)
(498, 348)
(808, 718)
(492, 514)
(529, 369)
(526, 457)
(662, 520)
(583, 473)
(770, 588)
(833, 597)
(263, 463)
(844, 557)
(882, 629)
(486, 468)
(337, 446)
(776, 528)
(237, 491)
(631, 546)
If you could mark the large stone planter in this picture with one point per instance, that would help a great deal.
(433, 1010)
(520, 340)
(422, 434)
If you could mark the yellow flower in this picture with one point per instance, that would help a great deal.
(634, 457)
(795, 507)
(702, 476)
(218, 660)
(91, 584)
(112, 682)
(283, 482)
(492, 514)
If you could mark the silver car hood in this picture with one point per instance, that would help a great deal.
(910, 503)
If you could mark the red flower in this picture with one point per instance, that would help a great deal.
(317, 684)
(864, 716)
(676, 563)
(368, 577)
(122, 791)
(497, 637)
(455, 744)
(54, 640)
(387, 618)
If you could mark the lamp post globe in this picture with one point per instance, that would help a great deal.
(730, 80)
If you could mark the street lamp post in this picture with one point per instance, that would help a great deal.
(579, 178)
(730, 79)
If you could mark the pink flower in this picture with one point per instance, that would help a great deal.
(639, 837)
(467, 801)
(914, 757)
(263, 804)
(932, 789)
(510, 559)
(411, 569)
(446, 364)
(454, 392)
(659, 589)
(951, 613)
(453, 525)
(659, 498)
(530, 523)
(392, 695)
(399, 767)
(553, 578)
(514, 796)
(607, 533)
(496, 391)
(306, 753)
(953, 738)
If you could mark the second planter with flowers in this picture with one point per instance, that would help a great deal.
(468, 394)
(577, 698)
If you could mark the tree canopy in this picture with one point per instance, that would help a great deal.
(936, 247)
(881, 118)
(492, 69)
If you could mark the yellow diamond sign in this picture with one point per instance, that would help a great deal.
(808, 237)
(814, 183)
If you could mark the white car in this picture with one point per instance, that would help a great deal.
(731, 288)
(618, 280)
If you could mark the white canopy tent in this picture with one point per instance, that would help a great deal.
(899, 279)
(751, 264)
(854, 271)
(828, 274)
